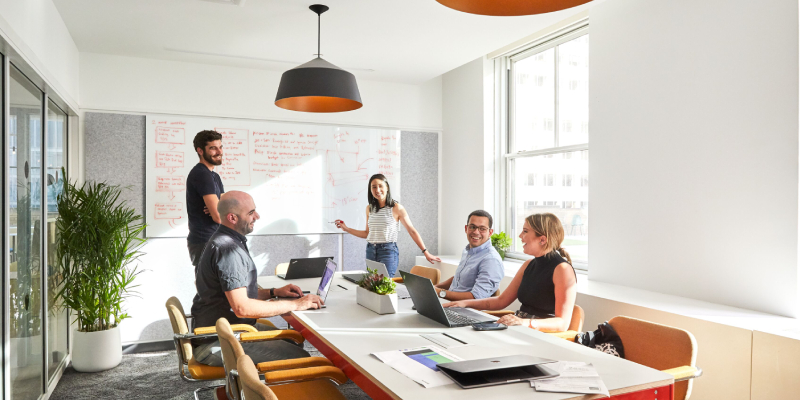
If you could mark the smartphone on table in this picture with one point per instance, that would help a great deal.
(489, 326)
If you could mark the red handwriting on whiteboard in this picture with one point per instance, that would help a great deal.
(235, 168)
(166, 134)
(170, 184)
(169, 211)
(169, 159)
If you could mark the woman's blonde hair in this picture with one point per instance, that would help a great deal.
(549, 226)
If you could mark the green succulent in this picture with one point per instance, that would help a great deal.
(377, 283)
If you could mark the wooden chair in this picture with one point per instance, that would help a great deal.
(575, 324)
(426, 272)
(281, 268)
(188, 368)
(284, 374)
(665, 348)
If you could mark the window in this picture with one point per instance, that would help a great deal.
(547, 139)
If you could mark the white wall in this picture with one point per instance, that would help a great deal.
(466, 157)
(694, 150)
(35, 29)
(116, 83)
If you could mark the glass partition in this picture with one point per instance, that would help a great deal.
(25, 228)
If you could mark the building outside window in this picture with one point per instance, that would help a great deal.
(548, 137)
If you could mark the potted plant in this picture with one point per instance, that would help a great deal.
(501, 242)
(377, 292)
(98, 240)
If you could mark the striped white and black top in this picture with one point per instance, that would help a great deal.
(382, 226)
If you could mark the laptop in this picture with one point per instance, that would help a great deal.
(497, 370)
(300, 268)
(326, 281)
(427, 303)
(402, 292)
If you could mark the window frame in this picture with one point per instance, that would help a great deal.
(504, 66)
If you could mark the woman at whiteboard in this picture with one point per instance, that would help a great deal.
(384, 216)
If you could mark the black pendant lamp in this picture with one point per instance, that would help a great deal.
(511, 7)
(318, 86)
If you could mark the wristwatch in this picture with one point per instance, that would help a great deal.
(443, 293)
(272, 293)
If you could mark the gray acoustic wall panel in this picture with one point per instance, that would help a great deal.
(115, 145)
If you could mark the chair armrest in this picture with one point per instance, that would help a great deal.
(266, 322)
(272, 335)
(684, 373)
(236, 328)
(398, 279)
(499, 313)
(305, 374)
(566, 335)
(293, 363)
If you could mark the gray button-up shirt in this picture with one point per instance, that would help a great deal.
(479, 271)
(224, 266)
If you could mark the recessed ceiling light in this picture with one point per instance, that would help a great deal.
(228, 2)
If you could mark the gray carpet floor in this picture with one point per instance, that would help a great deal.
(149, 376)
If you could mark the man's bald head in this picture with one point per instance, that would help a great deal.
(237, 203)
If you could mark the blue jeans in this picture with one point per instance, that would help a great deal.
(386, 253)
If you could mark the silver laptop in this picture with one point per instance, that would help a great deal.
(427, 303)
(326, 281)
(402, 292)
(497, 370)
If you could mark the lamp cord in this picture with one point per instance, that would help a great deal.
(319, 36)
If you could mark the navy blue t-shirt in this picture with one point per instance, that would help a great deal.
(200, 182)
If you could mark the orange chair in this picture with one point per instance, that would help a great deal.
(310, 377)
(575, 324)
(426, 272)
(253, 389)
(188, 368)
(665, 348)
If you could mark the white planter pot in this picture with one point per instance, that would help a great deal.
(96, 351)
(380, 303)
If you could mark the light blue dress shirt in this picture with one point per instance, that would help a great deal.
(479, 271)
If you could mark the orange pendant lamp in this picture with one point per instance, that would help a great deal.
(511, 7)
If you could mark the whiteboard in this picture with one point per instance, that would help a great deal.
(301, 176)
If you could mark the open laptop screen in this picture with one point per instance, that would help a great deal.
(327, 279)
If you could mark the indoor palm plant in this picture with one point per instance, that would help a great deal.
(98, 241)
(501, 242)
(377, 292)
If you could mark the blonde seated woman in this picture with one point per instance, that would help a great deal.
(545, 285)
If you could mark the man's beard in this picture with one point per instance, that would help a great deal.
(211, 160)
(243, 227)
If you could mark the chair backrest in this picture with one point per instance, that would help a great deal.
(231, 352)
(576, 323)
(281, 268)
(179, 325)
(252, 387)
(657, 346)
(431, 273)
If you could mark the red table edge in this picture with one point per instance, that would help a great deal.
(376, 392)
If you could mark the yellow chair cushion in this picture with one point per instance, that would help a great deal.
(318, 389)
(205, 372)
(303, 374)
(685, 371)
(271, 335)
(266, 322)
(293, 363)
(566, 335)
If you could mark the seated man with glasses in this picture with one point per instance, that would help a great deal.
(480, 269)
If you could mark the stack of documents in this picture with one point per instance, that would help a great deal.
(419, 364)
(574, 377)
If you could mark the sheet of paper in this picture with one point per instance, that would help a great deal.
(419, 364)
(445, 341)
(574, 377)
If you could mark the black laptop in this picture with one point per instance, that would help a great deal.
(497, 370)
(300, 268)
(427, 303)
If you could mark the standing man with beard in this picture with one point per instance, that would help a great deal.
(203, 189)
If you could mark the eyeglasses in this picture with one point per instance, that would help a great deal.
(483, 229)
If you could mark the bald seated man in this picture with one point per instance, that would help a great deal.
(226, 287)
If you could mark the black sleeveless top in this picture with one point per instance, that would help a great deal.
(537, 291)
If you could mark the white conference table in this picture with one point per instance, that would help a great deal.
(347, 334)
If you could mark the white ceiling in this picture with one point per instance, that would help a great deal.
(409, 41)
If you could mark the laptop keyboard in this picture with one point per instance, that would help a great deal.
(456, 318)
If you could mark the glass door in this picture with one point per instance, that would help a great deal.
(25, 232)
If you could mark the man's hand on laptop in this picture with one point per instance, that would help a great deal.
(309, 302)
(290, 291)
